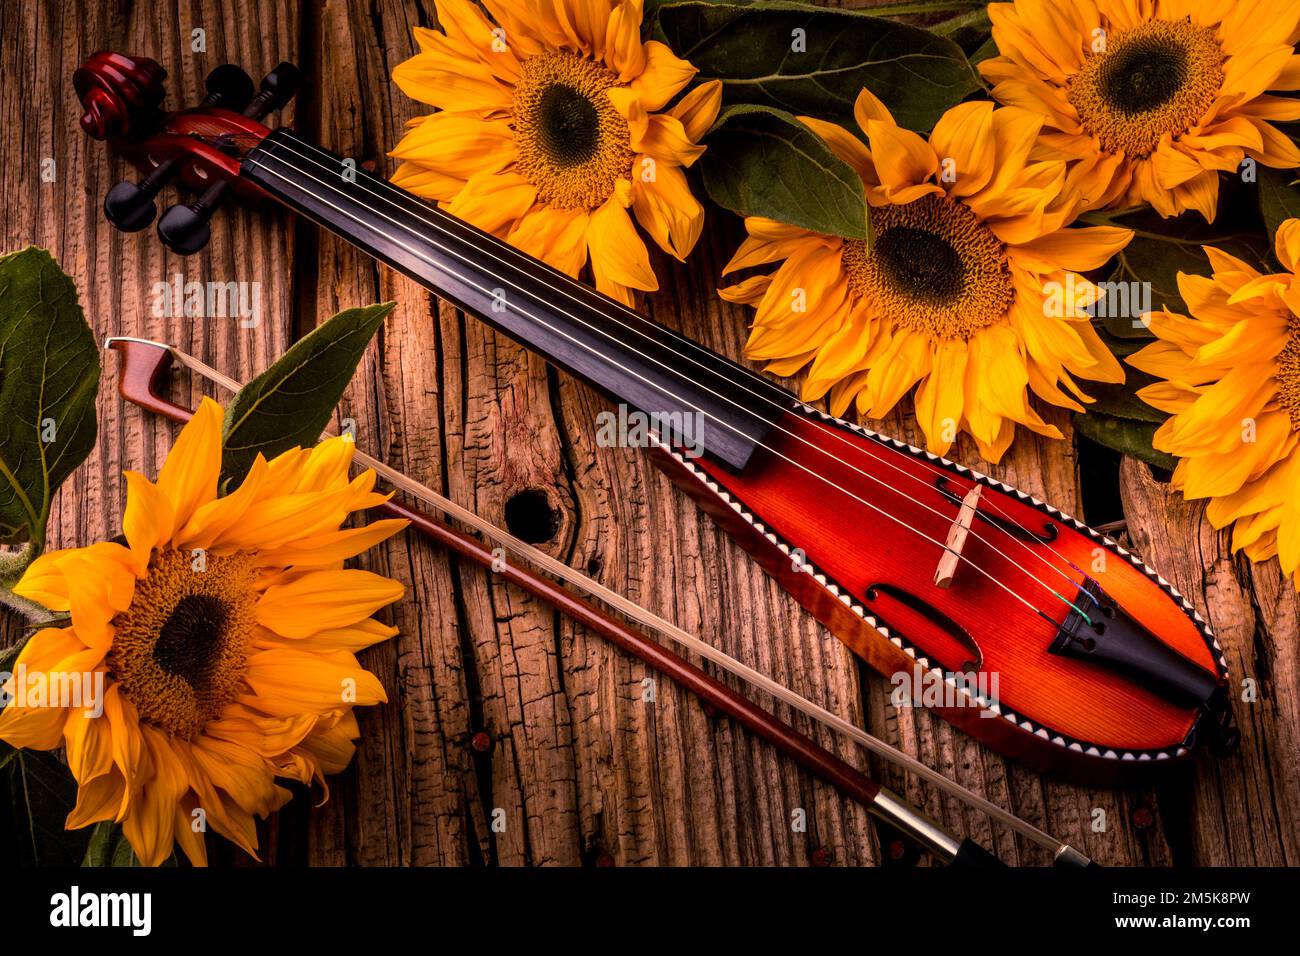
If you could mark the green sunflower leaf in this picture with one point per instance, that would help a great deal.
(41, 793)
(108, 847)
(1126, 435)
(764, 162)
(1147, 268)
(815, 60)
(1279, 197)
(290, 403)
(49, 373)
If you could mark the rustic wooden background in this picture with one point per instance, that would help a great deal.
(585, 772)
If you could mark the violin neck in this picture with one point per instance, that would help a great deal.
(649, 368)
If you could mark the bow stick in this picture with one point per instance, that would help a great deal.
(144, 364)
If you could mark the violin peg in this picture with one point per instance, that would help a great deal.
(129, 207)
(184, 229)
(278, 88)
(229, 87)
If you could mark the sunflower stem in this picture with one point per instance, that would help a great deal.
(923, 6)
(977, 19)
(36, 615)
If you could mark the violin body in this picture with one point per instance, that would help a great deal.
(1031, 632)
(863, 576)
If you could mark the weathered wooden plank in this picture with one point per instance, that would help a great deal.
(1244, 810)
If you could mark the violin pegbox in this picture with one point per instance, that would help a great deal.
(199, 149)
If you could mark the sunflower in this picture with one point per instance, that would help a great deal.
(551, 127)
(1150, 99)
(224, 632)
(1231, 382)
(969, 286)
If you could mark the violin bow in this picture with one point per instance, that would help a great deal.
(144, 364)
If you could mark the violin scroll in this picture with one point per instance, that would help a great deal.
(198, 149)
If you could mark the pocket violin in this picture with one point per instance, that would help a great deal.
(1032, 632)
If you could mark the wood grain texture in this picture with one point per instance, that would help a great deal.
(587, 760)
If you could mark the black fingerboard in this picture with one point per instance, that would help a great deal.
(632, 359)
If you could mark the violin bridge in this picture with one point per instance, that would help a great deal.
(947, 568)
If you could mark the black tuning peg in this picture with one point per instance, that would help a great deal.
(278, 88)
(184, 229)
(229, 87)
(130, 206)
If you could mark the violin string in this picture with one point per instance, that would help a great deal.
(520, 259)
(942, 546)
(536, 319)
(661, 625)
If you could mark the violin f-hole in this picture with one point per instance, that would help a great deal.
(879, 595)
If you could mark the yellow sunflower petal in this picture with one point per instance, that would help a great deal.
(665, 76)
(901, 157)
(466, 24)
(459, 145)
(964, 135)
(449, 82)
(332, 546)
(148, 522)
(1287, 244)
(699, 108)
(941, 395)
(289, 681)
(356, 637)
(189, 475)
(618, 256)
(325, 599)
(149, 826)
(624, 52)
(556, 236)
(667, 211)
(44, 582)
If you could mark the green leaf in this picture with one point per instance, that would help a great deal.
(1162, 248)
(1124, 435)
(764, 162)
(290, 403)
(49, 372)
(1279, 197)
(109, 847)
(99, 851)
(752, 49)
(41, 794)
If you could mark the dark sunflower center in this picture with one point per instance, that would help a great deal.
(191, 637)
(574, 146)
(1144, 75)
(1154, 79)
(934, 268)
(568, 125)
(181, 649)
(924, 264)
